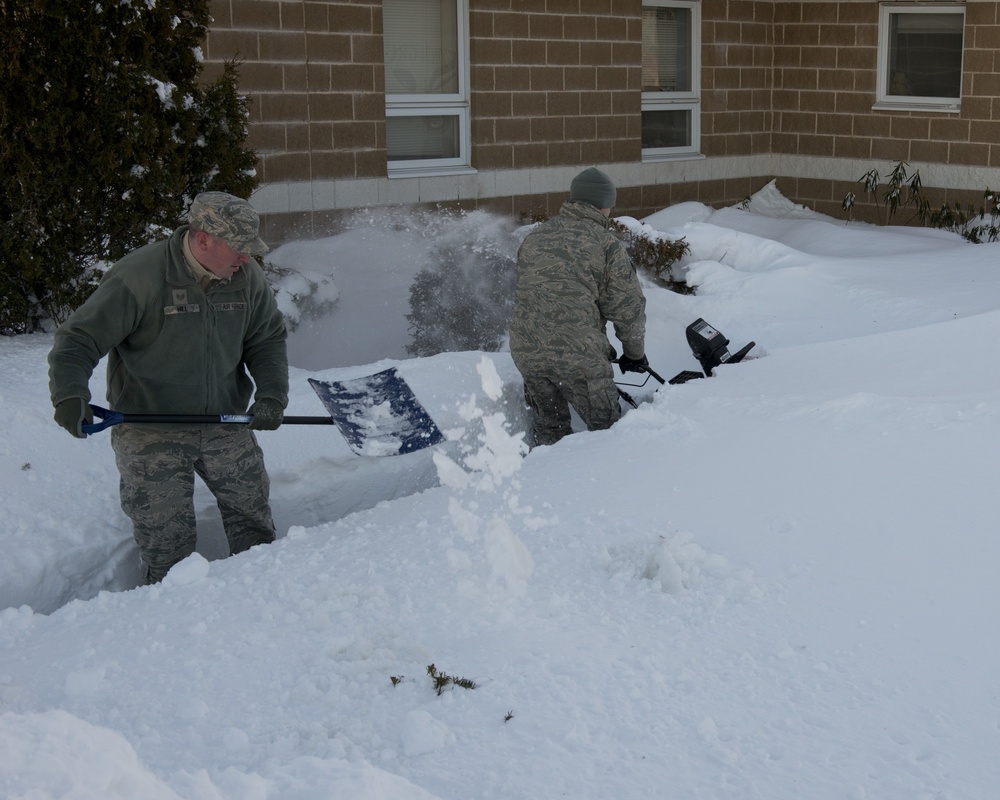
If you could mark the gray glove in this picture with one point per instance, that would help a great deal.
(71, 413)
(267, 414)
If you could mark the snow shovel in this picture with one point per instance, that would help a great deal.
(378, 415)
(709, 346)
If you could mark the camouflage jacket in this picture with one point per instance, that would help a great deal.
(172, 346)
(574, 276)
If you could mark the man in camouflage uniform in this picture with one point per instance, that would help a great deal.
(186, 322)
(573, 277)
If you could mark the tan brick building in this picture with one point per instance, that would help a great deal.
(497, 103)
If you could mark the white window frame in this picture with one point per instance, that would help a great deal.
(689, 101)
(454, 105)
(884, 99)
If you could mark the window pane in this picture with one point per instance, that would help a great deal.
(666, 49)
(925, 55)
(419, 138)
(666, 129)
(421, 46)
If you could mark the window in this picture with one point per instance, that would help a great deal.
(920, 57)
(426, 85)
(671, 78)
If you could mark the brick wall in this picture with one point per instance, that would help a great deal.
(556, 83)
(315, 74)
(823, 83)
(548, 87)
(737, 77)
(824, 86)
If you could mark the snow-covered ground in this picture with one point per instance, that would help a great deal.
(776, 583)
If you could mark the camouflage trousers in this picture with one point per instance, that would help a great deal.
(157, 469)
(549, 394)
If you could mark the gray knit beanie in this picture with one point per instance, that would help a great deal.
(594, 187)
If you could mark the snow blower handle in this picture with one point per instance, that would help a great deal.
(654, 374)
(645, 368)
(109, 418)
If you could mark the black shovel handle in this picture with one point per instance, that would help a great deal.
(109, 418)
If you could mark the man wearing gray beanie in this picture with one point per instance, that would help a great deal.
(594, 187)
(573, 277)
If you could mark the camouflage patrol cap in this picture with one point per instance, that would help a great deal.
(230, 218)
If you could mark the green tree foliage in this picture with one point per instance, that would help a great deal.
(105, 135)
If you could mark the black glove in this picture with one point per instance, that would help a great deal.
(72, 413)
(612, 353)
(626, 364)
(267, 414)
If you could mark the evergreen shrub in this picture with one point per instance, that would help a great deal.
(655, 257)
(466, 300)
(106, 134)
(969, 222)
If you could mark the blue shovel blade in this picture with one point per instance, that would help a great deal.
(378, 415)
